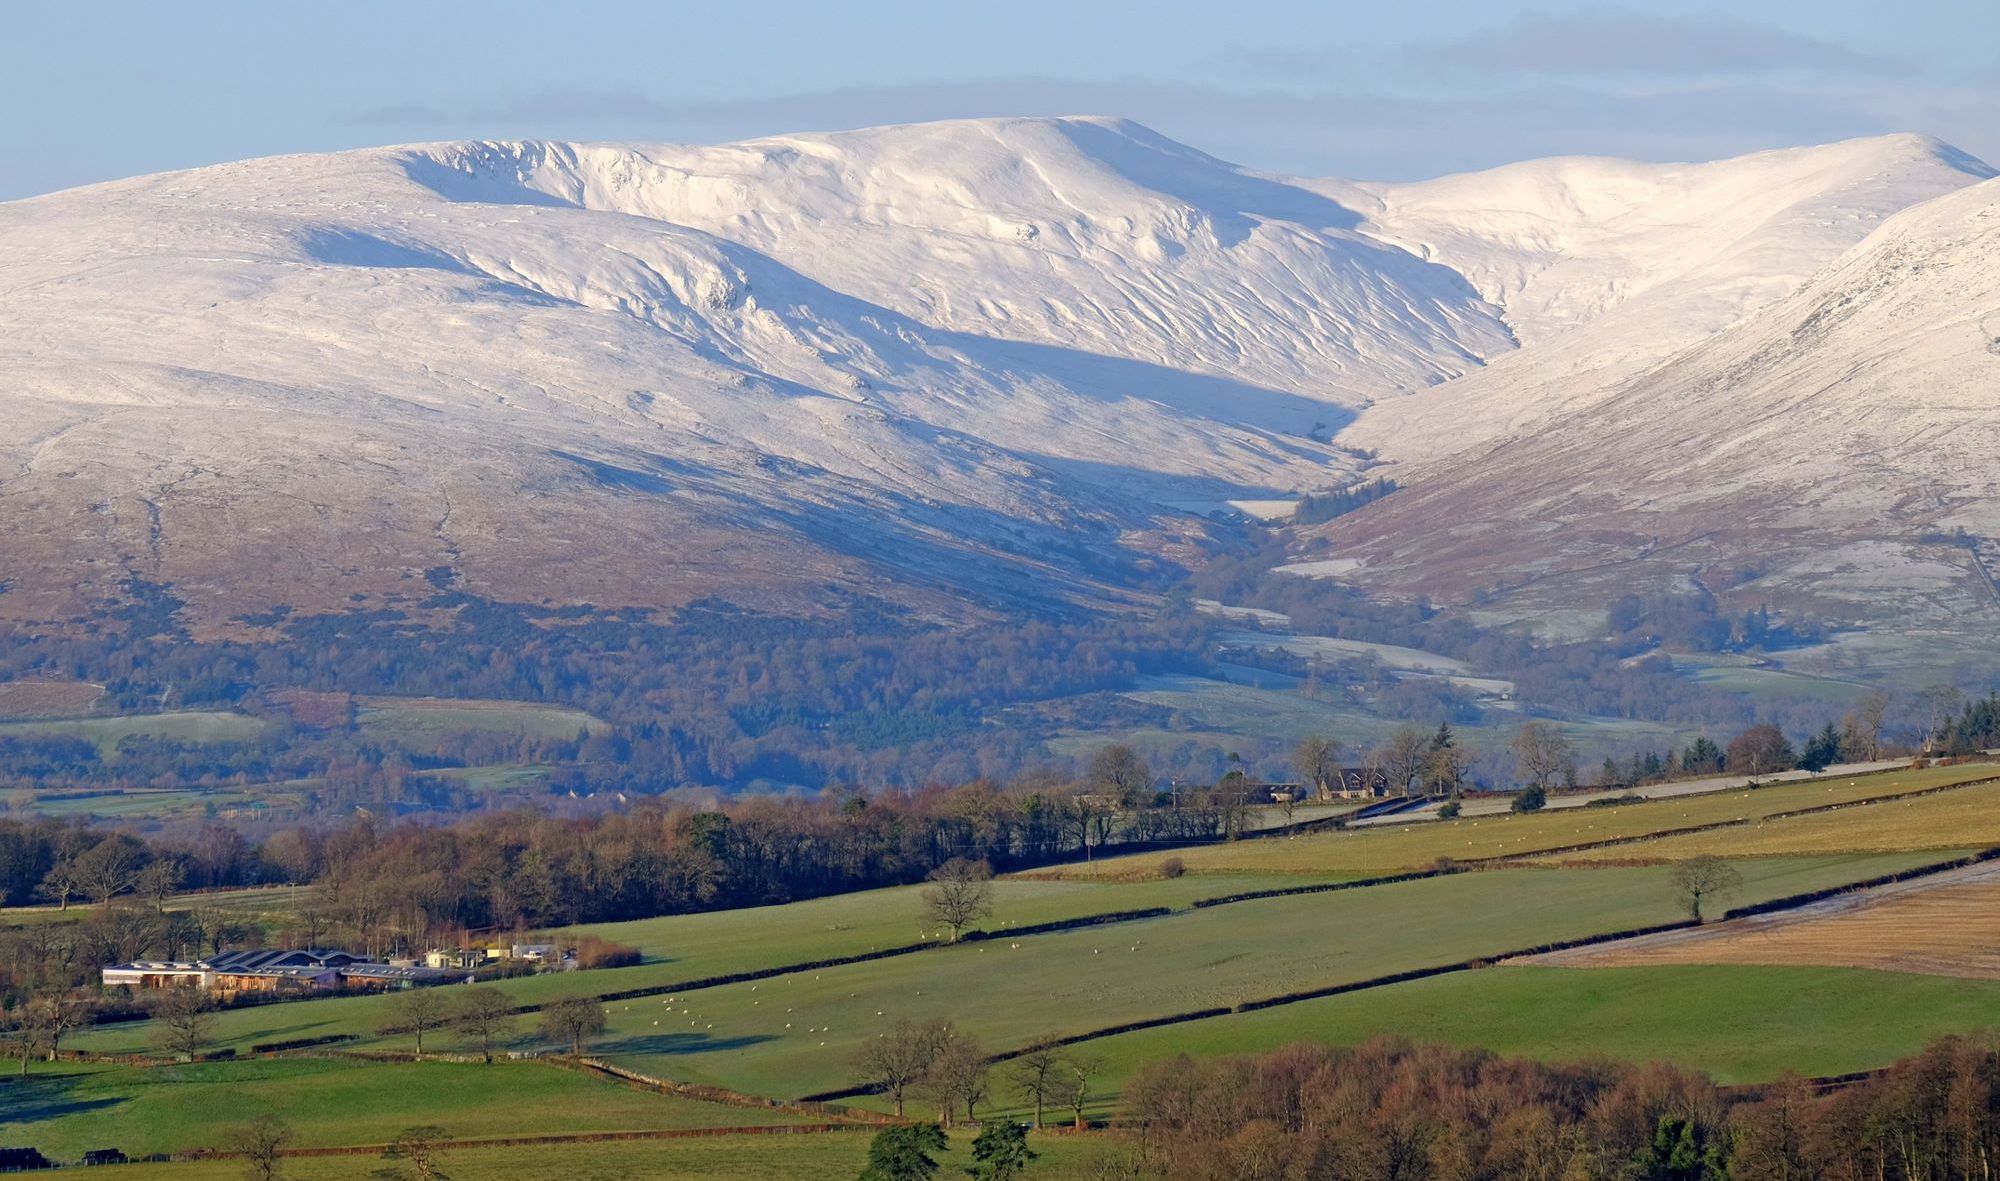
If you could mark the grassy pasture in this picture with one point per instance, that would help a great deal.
(418, 717)
(266, 904)
(1958, 819)
(798, 1034)
(831, 1156)
(193, 727)
(685, 947)
(1741, 1024)
(142, 1110)
(1419, 844)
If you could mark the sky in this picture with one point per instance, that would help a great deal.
(1386, 91)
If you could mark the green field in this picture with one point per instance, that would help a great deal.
(144, 1110)
(270, 905)
(1255, 703)
(413, 718)
(825, 1156)
(798, 1034)
(686, 947)
(1741, 1024)
(106, 733)
(1968, 818)
(1419, 844)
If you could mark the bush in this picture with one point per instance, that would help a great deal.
(593, 952)
(1532, 799)
(1449, 811)
(1173, 867)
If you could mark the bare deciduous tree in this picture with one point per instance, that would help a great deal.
(1078, 1071)
(110, 867)
(184, 1022)
(416, 1012)
(572, 1019)
(1401, 758)
(1036, 1072)
(261, 1141)
(1938, 705)
(900, 1058)
(1118, 772)
(483, 1016)
(957, 1077)
(1704, 877)
(1541, 754)
(960, 894)
(157, 882)
(1317, 761)
(420, 1146)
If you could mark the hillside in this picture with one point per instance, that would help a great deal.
(934, 364)
(1822, 452)
(958, 367)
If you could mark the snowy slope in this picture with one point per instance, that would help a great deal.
(956, 366)
(961, 358)
(1604, 267)
(1812, 454)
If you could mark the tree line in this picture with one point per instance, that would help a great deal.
(1391, 1109)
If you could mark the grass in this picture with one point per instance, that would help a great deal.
(268, 905)
(685, 947)
(416, 717)
(832, 1156)
(1740, 1024)
(192, 727)
(1959, 819)
(1421, 843)
(144, 1110)
(798, 1034)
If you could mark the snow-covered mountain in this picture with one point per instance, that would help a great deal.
(1834, 450)
(952, 365)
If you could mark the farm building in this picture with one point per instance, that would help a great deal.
(1367, 783)
(270, 970)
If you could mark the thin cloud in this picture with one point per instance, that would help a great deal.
(1366, 132)
(1614, 42)
(1603, 44)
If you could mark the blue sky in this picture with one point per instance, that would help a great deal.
(1381, 90)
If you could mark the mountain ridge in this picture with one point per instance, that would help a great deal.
(957, 365)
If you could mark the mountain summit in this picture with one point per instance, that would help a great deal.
(948, 366)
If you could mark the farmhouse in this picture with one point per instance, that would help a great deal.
(298, 970)
(1367, 783)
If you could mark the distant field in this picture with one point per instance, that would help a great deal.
(158, 804)
(1741, 1024)
(1959, 819)
(683, 947)
(1771, 680)
(175, 1108)
(797, 1034)
(32, 700)
(255, 902)
(1938, 930)
(1391, 849)
(187, 727)
(829, 1156)
(418, 716)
